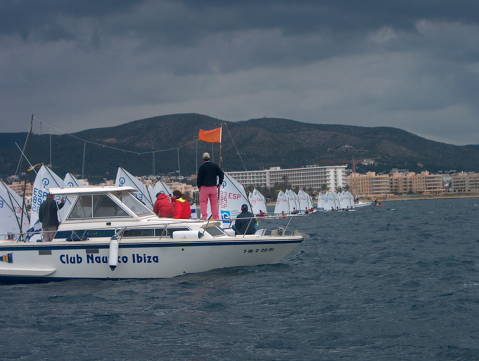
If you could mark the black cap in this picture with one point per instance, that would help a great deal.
(244, 207)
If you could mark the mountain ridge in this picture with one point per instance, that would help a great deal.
(252, 144)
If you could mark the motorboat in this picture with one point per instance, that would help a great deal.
(107, 233)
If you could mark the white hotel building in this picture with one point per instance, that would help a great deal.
(309, 177)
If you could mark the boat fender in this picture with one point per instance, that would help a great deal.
(113, 254)
(229, 232)
(185, 235)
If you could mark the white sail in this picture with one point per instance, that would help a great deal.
(151, 191)
(262, 202)
(282, 204)
(296, 200)
(124, 178)
(69, 181)
(292, 203)
(232, 196)
(45, 179)
(330, 201)
(333, 199)
(350, 200)
(160, 187)
(343, 200)
(11, 219)
(257, 201)
(303, 200)
(310, 201)
(323, 201)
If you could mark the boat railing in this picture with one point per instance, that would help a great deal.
(276, 230)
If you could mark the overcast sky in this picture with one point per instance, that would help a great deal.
(412, 64)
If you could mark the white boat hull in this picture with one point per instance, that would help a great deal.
(139, 259)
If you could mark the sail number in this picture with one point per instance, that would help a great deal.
(38, 196)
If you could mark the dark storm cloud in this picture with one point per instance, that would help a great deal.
(193, 18)
(410, 64)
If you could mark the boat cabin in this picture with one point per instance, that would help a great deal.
(99, 212)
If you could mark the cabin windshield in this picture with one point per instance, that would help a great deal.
(134, 204)
(214, 231)
(96, 206)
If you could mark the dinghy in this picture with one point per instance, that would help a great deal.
(12, 221)
(258, 203)
(282, 204)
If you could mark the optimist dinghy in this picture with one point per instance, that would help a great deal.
(109, 234)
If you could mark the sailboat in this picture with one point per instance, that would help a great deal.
(258, 203)
(12, 221)
(303, 201)
(44, 180)
(232, 196)
(293, 201)
(159, 187)
(282, 204)
(125, 178)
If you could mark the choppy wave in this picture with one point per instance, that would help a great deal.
(398, 282)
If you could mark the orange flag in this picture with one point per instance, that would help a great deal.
(210, 135)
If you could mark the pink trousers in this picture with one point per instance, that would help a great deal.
(209, 193)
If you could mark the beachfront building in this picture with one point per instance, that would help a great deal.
(464, 182)
(369, 184)
(372, 184)
(312, 177)
(417, 183)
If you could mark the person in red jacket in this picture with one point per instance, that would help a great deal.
(163, 206)
(182, 206)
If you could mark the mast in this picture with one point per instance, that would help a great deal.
(24, 190)
(25, 145)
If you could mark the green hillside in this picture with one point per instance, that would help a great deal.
(251, 144)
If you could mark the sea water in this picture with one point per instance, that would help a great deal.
(398, 282)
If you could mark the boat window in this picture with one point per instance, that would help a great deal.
(153, 232)
(82, 208)
(215, 231)
(161, 232)
(170, 230)
(139, 232)
(103, 207)
(134, 204)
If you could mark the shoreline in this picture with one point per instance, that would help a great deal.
(411, 197)
(423, 197)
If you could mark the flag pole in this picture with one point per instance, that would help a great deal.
(196, 153)
(221, 146)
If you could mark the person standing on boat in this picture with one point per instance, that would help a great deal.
(48, 216)
(163, 206)
(210, 178)
(245, 222)
(182, 206)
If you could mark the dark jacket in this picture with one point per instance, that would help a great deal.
(209, 174)
(48, 213)
(163, 206)
(247, 225)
